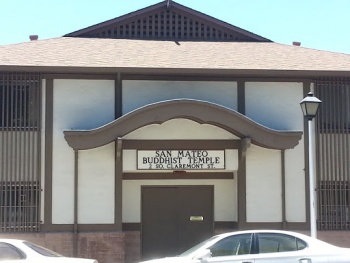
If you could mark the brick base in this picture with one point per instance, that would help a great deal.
(106, 247)
(124, 247)
(132, 246)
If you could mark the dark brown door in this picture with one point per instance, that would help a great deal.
(175, 218)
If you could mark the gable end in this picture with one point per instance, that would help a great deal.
(168, 22)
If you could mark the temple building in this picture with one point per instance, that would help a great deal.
(143, 135)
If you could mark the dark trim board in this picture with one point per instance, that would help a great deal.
(80, 76)
(48, 150)
(218, 225)
(178, 175)
(203, 73)
(275, 225)
(171, 77)
(81, 227)
(181, 144)
(214, 78)
(226, 226)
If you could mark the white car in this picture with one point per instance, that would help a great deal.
(15, 251)
(261, 246)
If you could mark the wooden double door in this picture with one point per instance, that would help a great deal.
(174, 218)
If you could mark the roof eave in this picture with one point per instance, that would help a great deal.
(208, 72)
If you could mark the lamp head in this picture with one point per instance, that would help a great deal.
(309, 106)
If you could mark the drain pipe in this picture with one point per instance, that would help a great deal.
(283, 186)
(75, 226)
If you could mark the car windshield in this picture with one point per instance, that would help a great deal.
(192, 250)
(42, 250)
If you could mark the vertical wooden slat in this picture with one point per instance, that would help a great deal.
(183, 34)
(346, 150)
(340, 133)
(20, 151)
(3, 195)
(5, 146)
(38, 143)
(26, 136)
(153, 30)
(333, 153)
(12, 195)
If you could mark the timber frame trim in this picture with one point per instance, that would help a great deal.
(198, 111)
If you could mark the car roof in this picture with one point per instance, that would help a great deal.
(12, 240)
(296, 234)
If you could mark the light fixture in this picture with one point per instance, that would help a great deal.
(309, 106)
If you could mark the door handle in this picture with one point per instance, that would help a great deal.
(305, 260)
(196, 218)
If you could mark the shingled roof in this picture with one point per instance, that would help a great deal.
(67, 54)
(168, 38)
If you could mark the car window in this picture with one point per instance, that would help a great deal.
(193, 249)
(42, 250)
(272, 242)
(232, 245)
(8, 251)
(301, 244)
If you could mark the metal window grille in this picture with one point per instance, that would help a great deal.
(333, 157)
(20, 100)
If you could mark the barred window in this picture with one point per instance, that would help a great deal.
(19, 209)
(335, 108)
(333, 199)
(18, 101)
(20, 107)
(333, 157)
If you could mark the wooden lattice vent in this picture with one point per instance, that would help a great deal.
(168, 24)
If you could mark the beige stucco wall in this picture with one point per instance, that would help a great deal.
(138, 93)
(295, 191)
(263, 179)
(92, 105)
(275, 105)
(96, 185)
(82, 104)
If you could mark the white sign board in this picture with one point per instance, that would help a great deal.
(180, 159)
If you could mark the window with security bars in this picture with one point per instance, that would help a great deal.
(19, 206)
(333, 155)
(20, 104)
(333, 198)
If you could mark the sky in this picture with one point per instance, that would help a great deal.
(317, 24)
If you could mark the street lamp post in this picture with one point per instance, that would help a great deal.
(309, 106)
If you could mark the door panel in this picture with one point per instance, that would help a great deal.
(159, 217)
(196, 216)
(175, 218)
